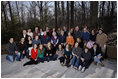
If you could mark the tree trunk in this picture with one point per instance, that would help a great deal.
(83, 13)
(68, 14)
(72, 13)
(94, 13)
(56, 14)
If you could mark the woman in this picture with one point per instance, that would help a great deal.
(40, 54)
(50, 52)
(67, 54)
(70, 39)
(76, 52)
(29, 46)
(97, 55)
(60, 54)
(93, 35)
(33, 56)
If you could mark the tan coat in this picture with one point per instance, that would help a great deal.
(101, 39)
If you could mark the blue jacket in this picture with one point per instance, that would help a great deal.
(85, 36)
(45, 40)
(62, 39)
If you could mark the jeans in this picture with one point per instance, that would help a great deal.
(96, 58)
(27, 53)
(73, 61)
(11, 58)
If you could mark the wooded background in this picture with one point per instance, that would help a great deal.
(19, 15)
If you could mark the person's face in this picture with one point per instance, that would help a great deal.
(29, 38)
(36, 37)
(53, 29)
(49, 44)
(54, 34)
(40, 30)
(62, 32)
(35, 46)
(69, 34)
(22, 39)
(45, 33)
(100, 31)
(77, 28)
(11, 40)
(41, 46)
(92, 32)
(36, 29)
(86, 50)
(78, 40)
(76, 45)
(94, 46)
(85, 29)
(24, 31)
(60, 46)
(67, 46)
(29, 30)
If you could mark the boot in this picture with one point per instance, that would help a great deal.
(95, 63)
(101, 64)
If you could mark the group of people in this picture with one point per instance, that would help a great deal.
(73, 48)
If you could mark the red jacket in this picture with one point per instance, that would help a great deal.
(33, 54)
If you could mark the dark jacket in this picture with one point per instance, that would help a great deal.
(77, 51)
(21, 47)
(51, 51)
(85, 36)
(26, 38)
(95, 53)
(93, 37)
(11, 48)
(62, 39)
(86, 56)
(77, 34)
(45, 40)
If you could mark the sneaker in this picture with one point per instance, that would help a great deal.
(71, 66)
(101, 64)
(83, 69)
(75, 68)
(80, 67)
(95, 63)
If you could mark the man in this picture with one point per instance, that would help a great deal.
(45, 39)
(12, 51)
(22, 47)
(85, 35)
(25, 36)
(101, 40)
(36, 40)
(36, 32)
(77, 33)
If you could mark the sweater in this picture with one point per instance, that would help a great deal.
(40, 54)
(70, 40)
(11, 48)
(86, 56)
(68, 53)
(45, 39)
(77, 51)
(77, 34)
(33, 54)
(101, 39)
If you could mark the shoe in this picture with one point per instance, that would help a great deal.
(101, 64)
(95, 63)
(83, 69)
(71, 66)
(75, 68)
(24, 64)
(80, 67)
